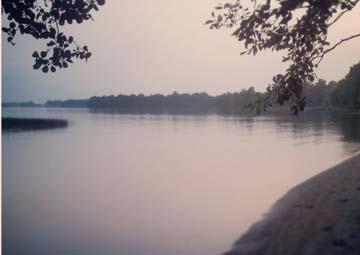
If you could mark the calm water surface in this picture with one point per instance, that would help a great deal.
(156, 184)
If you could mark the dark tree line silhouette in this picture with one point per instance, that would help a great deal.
(347, 92)
(71, 103)
(175, 103)
(342, 94)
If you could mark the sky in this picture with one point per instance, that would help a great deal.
(158, 46)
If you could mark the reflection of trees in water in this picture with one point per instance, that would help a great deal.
(349, 125)
(318, 123)
(315, 124)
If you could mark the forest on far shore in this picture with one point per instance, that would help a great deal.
(342, 94)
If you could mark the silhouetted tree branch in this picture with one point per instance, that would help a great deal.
(298, 27)
(41, 20)
(335, 45)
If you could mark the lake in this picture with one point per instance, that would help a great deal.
(156, 184)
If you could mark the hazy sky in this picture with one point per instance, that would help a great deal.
(157, 46)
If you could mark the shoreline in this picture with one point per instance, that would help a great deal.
(271, 111)
(318, 216)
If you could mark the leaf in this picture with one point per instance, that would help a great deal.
(36, 65)
(79, 19)
(35, 54)
(255, 51)
(100, 2)
(45, 69)
(51, 43)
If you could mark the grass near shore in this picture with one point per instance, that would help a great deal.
(23, 124)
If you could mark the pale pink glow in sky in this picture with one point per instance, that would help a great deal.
(158, 46)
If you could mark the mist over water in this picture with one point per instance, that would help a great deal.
(156, 184)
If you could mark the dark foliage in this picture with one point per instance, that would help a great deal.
(43, 20)
(72, 103)
(23, 104)
(297, 27)
(347, 93)
(343, 94)
(175, 103)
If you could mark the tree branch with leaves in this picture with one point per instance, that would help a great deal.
(42, 19)
(299, 28)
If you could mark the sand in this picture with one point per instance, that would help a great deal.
(319, 217)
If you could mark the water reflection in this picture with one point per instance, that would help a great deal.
(156, 184)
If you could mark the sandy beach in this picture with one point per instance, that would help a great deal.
(319, 217)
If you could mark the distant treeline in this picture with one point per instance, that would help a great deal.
(72, 103)
(318, 95)
(342, 94)
(198, 103)
(22, 104)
